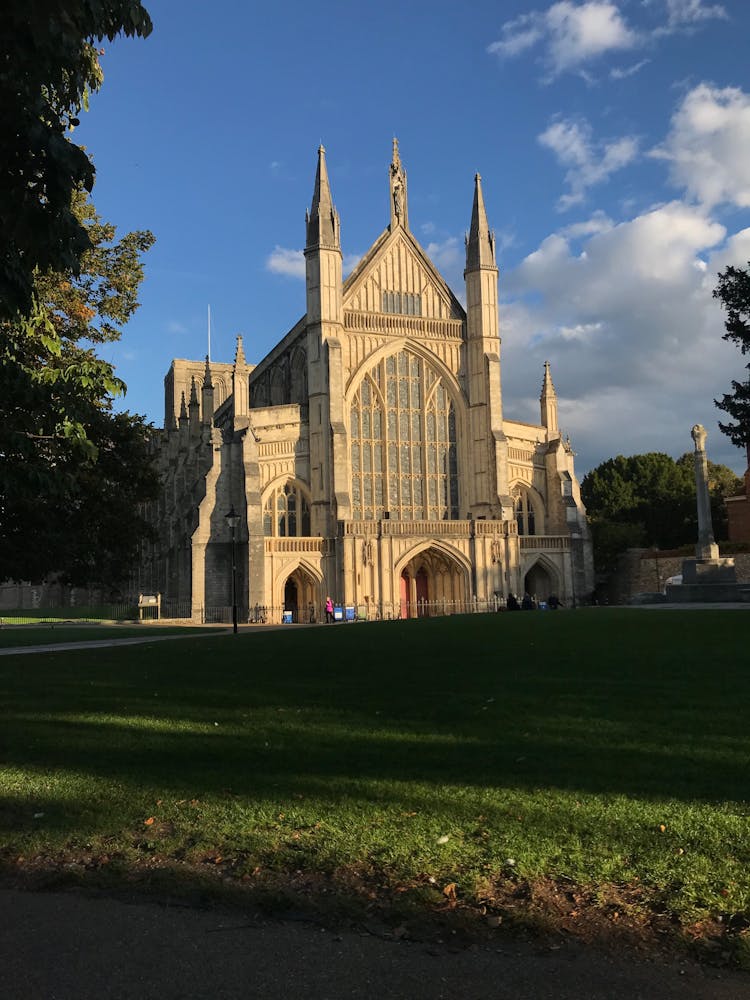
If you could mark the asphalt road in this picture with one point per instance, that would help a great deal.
(69, 946)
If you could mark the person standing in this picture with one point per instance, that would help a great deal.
(329, 610)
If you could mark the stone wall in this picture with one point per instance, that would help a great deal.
(53, 595)
(644, 571)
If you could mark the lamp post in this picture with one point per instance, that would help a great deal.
(233, 520)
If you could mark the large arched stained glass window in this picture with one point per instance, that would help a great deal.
(403, 443)
(286, 512)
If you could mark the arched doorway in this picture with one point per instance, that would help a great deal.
(301, 596)
(432, 583)
(540, 582)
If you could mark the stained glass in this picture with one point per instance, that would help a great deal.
(404, 426)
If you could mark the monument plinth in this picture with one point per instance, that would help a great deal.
(708, 577)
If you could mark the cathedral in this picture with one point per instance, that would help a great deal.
(366, 457)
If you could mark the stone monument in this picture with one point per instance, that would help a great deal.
(708, 577)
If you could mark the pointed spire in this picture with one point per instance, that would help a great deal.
(480, 243)
(183, 408)
(548, 388)
(239, 356)
(207, 396)
(322, 219)
(548, 402)
(399, 205)
(240, 383)
(194, 408)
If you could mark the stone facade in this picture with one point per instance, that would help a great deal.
(368, 453)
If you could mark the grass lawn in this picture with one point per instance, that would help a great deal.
(548, 766)
(47, 635)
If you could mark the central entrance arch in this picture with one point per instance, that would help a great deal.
(433, 582)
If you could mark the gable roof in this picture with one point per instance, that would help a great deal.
(389, 241)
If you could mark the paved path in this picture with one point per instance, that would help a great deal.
(69, 946)
(84, 644)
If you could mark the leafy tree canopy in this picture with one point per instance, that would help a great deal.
(733, 291)
(650, 500)
(49, 65)
(73, 473)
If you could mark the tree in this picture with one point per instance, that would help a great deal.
(733, 291)
(49, 65)
(650, 500)
(73, 472)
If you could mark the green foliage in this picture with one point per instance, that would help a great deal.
(650, 500)
(611, 538)
(74, 472)
(733, 291)
(49, 64)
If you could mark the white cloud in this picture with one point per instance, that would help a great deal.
(622, 74)
(350, 262)
(291, 263)
(588, 164)
(598, 223)
(449, 258)
(708, 146)
(629, 323)
(282, 260)
(691, 11)
(174, 326)
(572, 33)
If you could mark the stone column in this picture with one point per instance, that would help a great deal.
(706, 547)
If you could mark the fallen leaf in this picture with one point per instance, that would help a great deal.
(149, 822)
(449, 891)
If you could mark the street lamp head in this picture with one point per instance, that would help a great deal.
(232, 519)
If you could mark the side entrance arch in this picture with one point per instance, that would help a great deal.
(432, 582)
(301, 595)
(541, 580)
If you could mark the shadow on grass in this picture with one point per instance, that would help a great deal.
(603, 702)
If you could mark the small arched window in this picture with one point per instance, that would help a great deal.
(286, 512)
(526, 518)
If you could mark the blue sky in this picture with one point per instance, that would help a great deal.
(613, 140)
